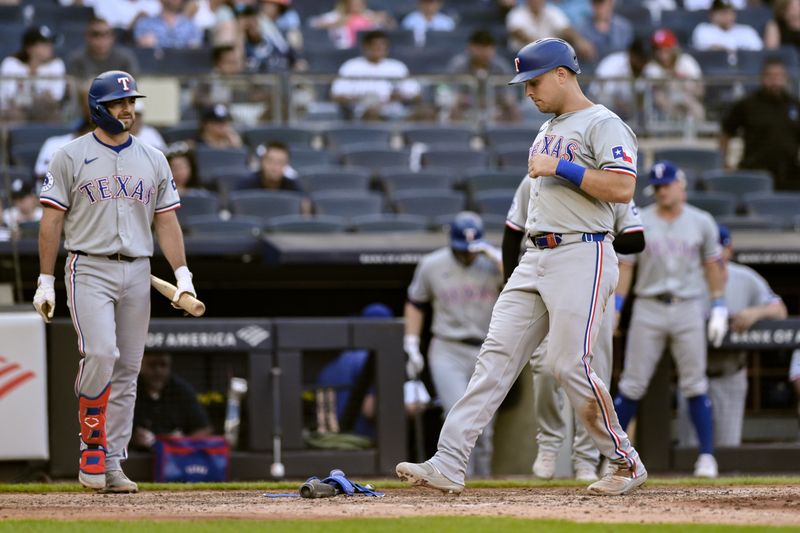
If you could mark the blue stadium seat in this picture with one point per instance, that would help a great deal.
(483, 180)
(197, 202)
(716, 203)
(210, 225)
(342, 137)
(498, 137)
(513, 157)
(690, 159)
(265, 204)
(329, 59)
(456, 159)
(174, 61)
(494, 202)
(394, 179)
(183, 131)
(327, 179)
(738, 182)
(423, 60)
(435, 136)
(25, 155)
(291, 136)
(35, 133)
(745, 223)
(781, 207)
(210, 160)
(347, 204)
(683, 22)
(383, 223)
(428, 203)
(303, 158)
(716, 62)
(55, 15)
(375, 158)
(304, 224)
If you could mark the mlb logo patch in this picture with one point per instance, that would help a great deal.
(619, 153)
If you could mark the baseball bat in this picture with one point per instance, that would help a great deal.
(187, 302)
(277, 469)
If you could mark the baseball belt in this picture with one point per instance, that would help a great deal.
(112, 257)
(551, 240)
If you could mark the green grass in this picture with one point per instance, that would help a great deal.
(440, 524)
(395, 484)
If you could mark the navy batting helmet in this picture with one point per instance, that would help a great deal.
(541, 56)
(107, 87)
(466, 229)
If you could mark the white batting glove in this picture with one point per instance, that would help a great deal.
(717, 323)
(44, 301)
(415, 362)
(184, 284)
(483, 247)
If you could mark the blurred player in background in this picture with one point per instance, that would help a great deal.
(461, 282)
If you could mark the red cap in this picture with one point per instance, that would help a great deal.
(664, 38)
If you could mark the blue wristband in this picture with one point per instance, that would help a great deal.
(570, 171)
(619, 301)
(718, 302)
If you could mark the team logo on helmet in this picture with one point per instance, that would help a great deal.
(516, 64)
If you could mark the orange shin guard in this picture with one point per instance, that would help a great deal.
(92, 419)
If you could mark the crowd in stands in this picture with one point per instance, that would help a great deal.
(364, 123)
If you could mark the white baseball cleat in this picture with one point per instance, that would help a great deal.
(585, 473)
(92, 481)
(544, 467)
(621, 480)
(706, 466)
(117, 482)
(427, 475)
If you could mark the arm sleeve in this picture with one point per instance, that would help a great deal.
(419, 292)
(167, 197)
(615, 146)
(512, 242)
(57, 182)
(629, 243)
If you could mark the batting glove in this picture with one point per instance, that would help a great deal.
(44, 301)
(415, 362)
(717, 323)
(184, 284)
(483, 247)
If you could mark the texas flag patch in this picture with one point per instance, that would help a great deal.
(619, 153)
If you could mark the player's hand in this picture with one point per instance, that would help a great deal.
(415, 362)
(183, 278)
(744, 320)
(542, 165)
(717, 325)
(44, 301)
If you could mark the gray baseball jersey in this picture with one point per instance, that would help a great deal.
(673, 258)
(594, 138)
(110, 197)
(561, 291)
(462, 297)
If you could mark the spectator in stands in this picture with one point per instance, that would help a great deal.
(25, 205)
(216, 128)
(749, 299)
(221, 87)
(170, 29)
(166, 404)
(264, 51)
(784, 28)
(121, 14)
(536, 19)
(350, 17)
(769, 122)
(427, 17)
(697, 5)
(146, 134)
(286, 19)
(620, 85)
(24, 98)
(387, 92)
(480, 60)
(275, 173)
(722, 32)
(100, 53)
(606, 31)
(183, 167)
(677, 79)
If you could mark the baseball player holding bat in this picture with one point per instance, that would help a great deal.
(106, 189)
(547, 397)
(682, 257)
(582, 162)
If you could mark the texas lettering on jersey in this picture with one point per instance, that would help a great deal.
(556, 146)
(117, 187)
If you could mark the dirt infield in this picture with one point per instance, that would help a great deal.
(759, 505)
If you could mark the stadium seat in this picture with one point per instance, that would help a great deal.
(25, 155)
(327, 179)
(29, 230)
(750, 61)
(745, 223)
(422, 60)
(456, 159)
(716, 62)
(227, 179)
(300, 159)
(14, 173)
(428, 203)
(197, 202)
(265, 204)
(493, 222)
(513, 157)
(183, 131)
(715, 203)
(383, 223)
(434, 136)
(394, 179)
(683, 22)
(494, 202)
(342, 137)
(498, 137)
(375, 159)
(35, 133)
(738, 182)
(293, 137)
(55, 15)
(329, 59)
(210, 160)
(484, 180)
(10, 14)
(347, 204)
(303, 224)
(691, 159)
(781, 207)
(213, 225)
